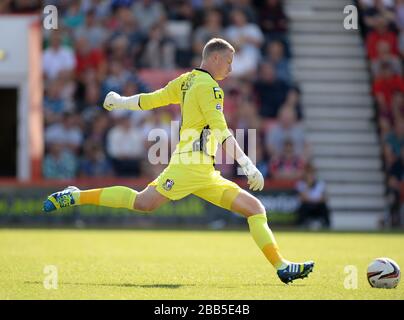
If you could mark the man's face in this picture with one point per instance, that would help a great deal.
(223, 61)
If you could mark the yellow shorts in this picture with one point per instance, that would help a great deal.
(202, 180)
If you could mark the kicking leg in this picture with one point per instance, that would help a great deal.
(149, 199)
(114, 197)
(228, 195)
(250, 207)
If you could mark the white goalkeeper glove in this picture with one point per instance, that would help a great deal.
(114, 101)
(254, 176)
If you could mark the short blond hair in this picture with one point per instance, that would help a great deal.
(216, 44)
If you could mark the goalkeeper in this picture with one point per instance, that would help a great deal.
(191, 168)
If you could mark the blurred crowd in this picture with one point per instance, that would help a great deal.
(103, 45)
(383, 30)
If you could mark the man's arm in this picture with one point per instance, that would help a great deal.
(254, 176)
(170, 94)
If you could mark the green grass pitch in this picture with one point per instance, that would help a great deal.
(136, 264)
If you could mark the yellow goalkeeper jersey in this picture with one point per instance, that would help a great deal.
(203, 125)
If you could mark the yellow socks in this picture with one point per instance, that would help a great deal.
(265, 240)
(113, 197)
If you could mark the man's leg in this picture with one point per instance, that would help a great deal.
(303, 213)
(250, 207)
(114, 197)
(149, 199)
(324, 214)
(228, 195)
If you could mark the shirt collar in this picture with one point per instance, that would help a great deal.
(203, 70)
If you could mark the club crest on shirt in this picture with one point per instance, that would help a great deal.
(168, 184)
(218, 107)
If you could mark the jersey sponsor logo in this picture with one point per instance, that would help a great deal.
(168, 184)
(217, 92)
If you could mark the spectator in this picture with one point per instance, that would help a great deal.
(57, 58)
(182, 11)
(247, 38)
(401, 43)
(88, 59)
(385, 56)
(89, 108)
(67, 133)
(293, 100)
(313, 200)
(246, 115)
(126, 42)
(286, 129)
(288, 165)
(59, 163)
(92, 30)
(126, 147)
(159, 51)
(273, 20)
(371, 10)
(116, 79)
(74, 17)
(395, 178)
(101, 9)
(384, 87)
(271, 92)
(54, 105)
(275, 54)
(381, 33)
(119, 53)
(398, 106)
(98, 130)
(118, 4)
(95, 162)
(111, 38)
(400, 14)
(147, 13)
(211, 28)
(384, 127)
(396, 139)
(262, 163)
(227, 7)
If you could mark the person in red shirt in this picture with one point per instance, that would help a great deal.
(287, 165)
(88, 58)
(385, 86)
(381, 33)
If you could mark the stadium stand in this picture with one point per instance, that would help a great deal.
(300, 79)
(382, 30)
(138, 46)
(331, 65)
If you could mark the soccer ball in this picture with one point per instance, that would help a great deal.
(383, 273)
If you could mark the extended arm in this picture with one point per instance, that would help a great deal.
(145, 101)
(254, 176)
